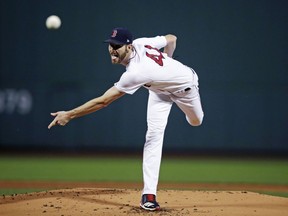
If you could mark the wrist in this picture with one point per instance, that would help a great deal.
(71, 114)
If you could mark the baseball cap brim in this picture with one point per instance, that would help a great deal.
(113, 41)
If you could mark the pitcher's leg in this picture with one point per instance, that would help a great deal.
(158, 110)
(190, 104)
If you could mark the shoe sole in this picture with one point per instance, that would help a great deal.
(150, 209)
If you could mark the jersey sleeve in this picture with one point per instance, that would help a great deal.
(130, 82)
(157, 42)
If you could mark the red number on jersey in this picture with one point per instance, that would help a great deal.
(156, 58)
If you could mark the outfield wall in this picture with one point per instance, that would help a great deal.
(238, 48)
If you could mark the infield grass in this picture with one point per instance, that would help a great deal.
(117, 169)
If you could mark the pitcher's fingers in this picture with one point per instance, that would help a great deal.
(54, 114)
(53, 123)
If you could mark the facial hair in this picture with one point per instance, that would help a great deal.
(122, 56)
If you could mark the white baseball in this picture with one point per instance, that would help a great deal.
(53, 22)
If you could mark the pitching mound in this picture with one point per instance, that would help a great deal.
(94, 201)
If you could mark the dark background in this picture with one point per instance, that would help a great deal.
(238, 48)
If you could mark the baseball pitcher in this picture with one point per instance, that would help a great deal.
(167, 80)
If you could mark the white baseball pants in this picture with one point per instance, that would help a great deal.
(159, 106)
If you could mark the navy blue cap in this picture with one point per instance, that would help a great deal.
(120, 36)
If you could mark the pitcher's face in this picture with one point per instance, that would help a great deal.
(118, 53)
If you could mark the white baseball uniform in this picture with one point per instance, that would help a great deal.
(168, 81)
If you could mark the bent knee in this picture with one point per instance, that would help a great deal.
(196, 121)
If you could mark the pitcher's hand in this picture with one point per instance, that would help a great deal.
(61, 118)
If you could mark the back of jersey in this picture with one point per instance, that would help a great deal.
(164, 73)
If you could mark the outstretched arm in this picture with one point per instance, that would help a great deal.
(171, 45)
(63, 117)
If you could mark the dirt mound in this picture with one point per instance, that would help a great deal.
(103, 201)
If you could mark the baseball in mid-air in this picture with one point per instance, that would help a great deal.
(53, 22)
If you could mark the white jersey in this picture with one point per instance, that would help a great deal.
(169, 82)
(154, 70)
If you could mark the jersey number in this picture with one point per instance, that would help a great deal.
(156, 58)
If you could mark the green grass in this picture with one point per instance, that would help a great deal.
(130, 170)
(226, 171)
(10, 191)
(70, 169)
